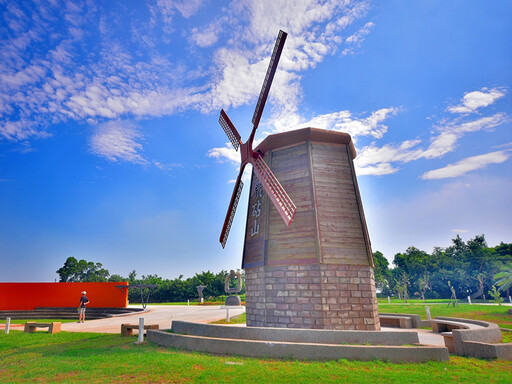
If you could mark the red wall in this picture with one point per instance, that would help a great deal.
(28, 296)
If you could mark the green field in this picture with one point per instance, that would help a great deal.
(99, 358)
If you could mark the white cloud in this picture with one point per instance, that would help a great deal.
(207, 36)
(468, 164)
(227, 152)
(375, 160)
(378, 170)
(21, 130)
(355, 40)
(451, 132)
(344, 122)
(477, 99)
(380, 158)
(246, 176)
(460, 230)
(68, 82)
(166, 167)
(118, 140)
(49, 75)
(504, 145)
(186, 8)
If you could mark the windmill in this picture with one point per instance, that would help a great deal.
(274, 189)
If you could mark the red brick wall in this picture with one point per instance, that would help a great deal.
(316, 296)
(28, 296)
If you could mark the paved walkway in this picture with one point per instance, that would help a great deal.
(156, 314)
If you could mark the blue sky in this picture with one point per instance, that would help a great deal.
(110, 148)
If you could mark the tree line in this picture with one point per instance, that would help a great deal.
(471, 268)
(168, 290)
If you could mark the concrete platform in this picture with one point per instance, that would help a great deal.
(303, 344)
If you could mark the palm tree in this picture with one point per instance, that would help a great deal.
(504, 278)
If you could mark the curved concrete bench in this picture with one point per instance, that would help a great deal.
(445, 328)
(395, 321)
(127, 329)
(415, 320)
(474, 338)
(304, 344)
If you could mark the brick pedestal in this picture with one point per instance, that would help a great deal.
(312, 296)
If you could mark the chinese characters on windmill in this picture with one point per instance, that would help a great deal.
(256, 208)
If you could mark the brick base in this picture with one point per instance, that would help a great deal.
(316, 296)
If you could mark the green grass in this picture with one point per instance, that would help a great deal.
(417, 300)
(240, 319)
(399, 301)
(99, 358)
(507, 336)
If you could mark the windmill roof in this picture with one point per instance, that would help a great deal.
(292, 138)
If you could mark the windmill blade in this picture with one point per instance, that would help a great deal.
(274, 60)
(230, 215)
(230, 129)
(275, 190)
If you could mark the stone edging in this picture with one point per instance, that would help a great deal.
(287, 349)
(478, 342)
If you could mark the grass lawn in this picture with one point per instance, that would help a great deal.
(99, 358)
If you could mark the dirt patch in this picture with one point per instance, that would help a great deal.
(64, 377)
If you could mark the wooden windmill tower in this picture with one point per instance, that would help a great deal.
(317, 272)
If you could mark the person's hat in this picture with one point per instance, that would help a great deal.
(83, 292)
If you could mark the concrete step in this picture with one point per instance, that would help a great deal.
(297, 349)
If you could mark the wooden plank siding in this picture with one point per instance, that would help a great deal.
(341, 235)
(295, 244)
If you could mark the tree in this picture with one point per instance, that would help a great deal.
(496, 295)
(424, 284)
(131, 276)
(382, 274)
(401, 286)
(117, 278)
(415, 264)
(74, 270)
(504, 278)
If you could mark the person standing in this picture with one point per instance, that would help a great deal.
(81, 308)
